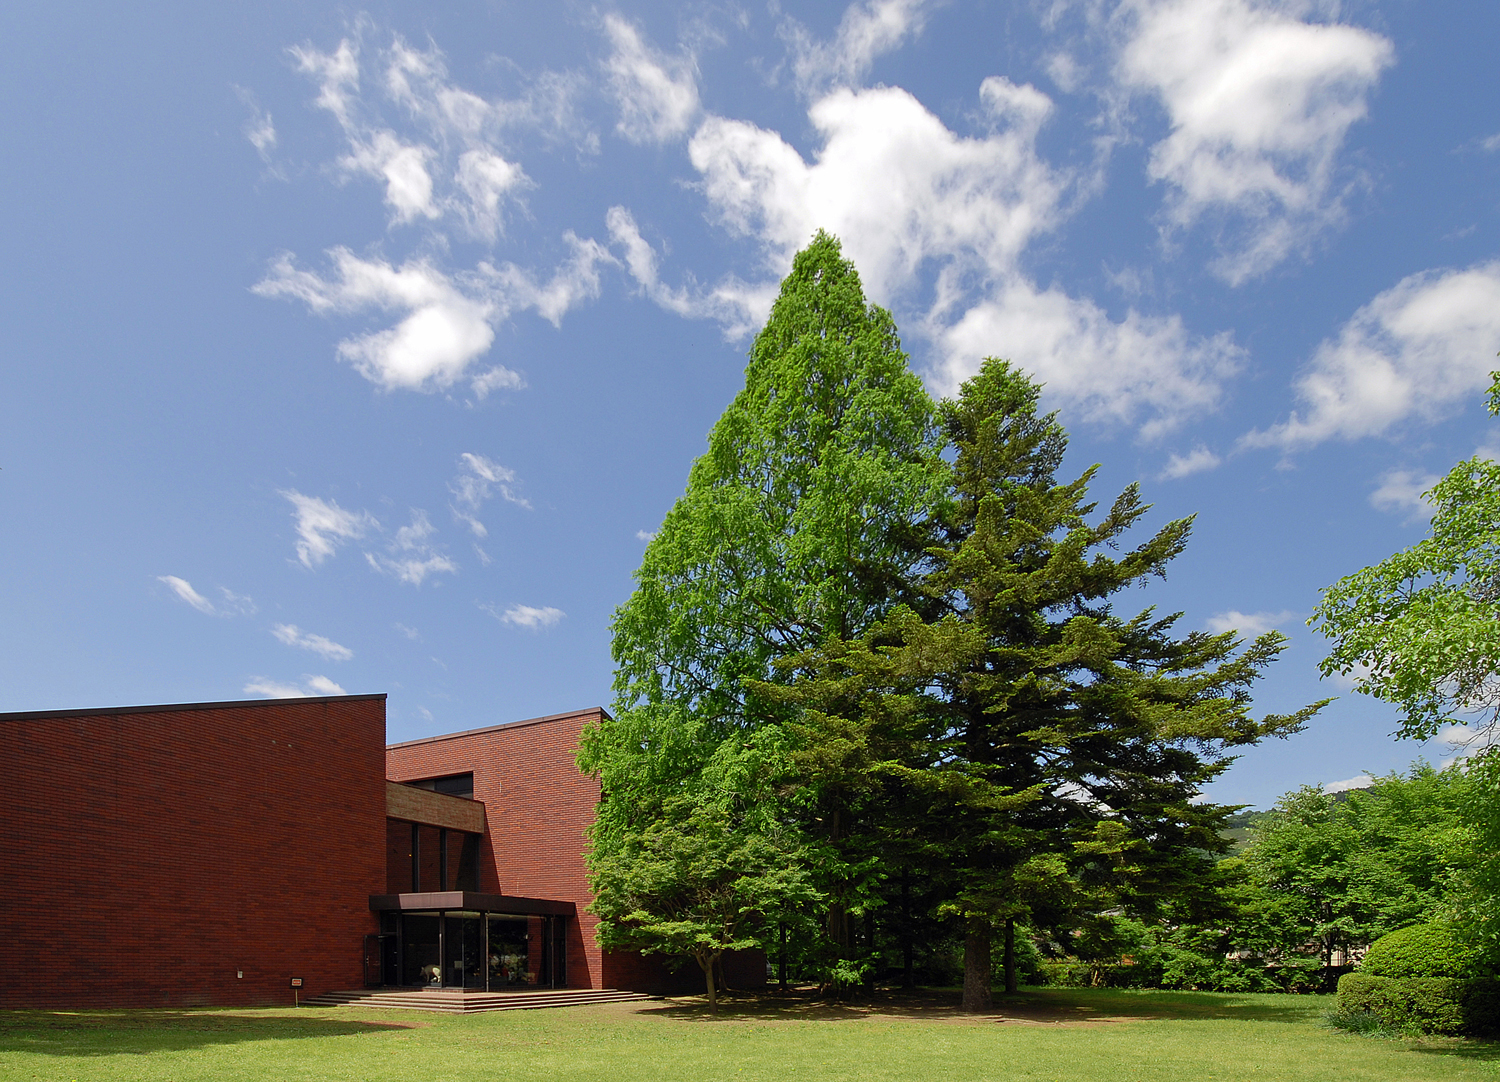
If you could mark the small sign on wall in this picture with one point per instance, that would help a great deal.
(296, 982)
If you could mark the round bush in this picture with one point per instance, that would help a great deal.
(1422, 950)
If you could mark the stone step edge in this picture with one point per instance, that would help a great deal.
(456, 1005)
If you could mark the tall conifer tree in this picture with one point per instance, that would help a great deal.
(802, 521)
(1039, 755)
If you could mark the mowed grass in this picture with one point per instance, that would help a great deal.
(1053, 1034)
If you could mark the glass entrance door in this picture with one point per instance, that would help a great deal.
(420, 957)
(515, 954)
(463, 941)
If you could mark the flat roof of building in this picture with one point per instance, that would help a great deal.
(20, 715)
(599, 710)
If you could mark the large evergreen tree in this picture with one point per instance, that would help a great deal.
(1039, 754)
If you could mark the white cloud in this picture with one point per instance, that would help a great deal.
(184, 590)
(657, 95)
(444, 327)
(458, 169)
(1248, 623)
(479, 478)
(1197, 460)
(234, 604)
(410, 632)
(526, 616)
(323, 525)
(867, 30)
(486, 178)
(904, 193)
(1400, 491)
(1421, 348)
(1359, 781)
(498, 378)
(259, 128)
(645, 535)
(312, 685)
(292, 635)
(409, 557)
(1259, 101)
(1110, 371)
(446, 323)
(739, 308)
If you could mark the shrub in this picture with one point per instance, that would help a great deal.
(1422, 950)
(1431, 1004)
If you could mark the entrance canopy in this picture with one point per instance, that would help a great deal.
(428, 901)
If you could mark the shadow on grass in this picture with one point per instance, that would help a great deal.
(141, 1032)
(1460, 1048)
(1054, 1006)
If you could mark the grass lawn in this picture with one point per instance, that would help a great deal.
(1062, 1034)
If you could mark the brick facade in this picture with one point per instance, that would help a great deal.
(538, 808)
(206, 853)
(151, 854)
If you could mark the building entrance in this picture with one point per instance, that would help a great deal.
(477, 951)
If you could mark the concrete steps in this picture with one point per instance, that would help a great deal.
(461, 1002)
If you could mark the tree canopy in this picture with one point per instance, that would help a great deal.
(1421, 629)
(906, 622)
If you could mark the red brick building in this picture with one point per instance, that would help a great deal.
(208, 853)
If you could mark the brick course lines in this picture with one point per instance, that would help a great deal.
(150, 854)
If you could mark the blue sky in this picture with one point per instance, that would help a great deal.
(359, 349)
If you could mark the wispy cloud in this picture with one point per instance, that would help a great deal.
(323, 525)
(409, 632)
(275, 689)
(437, 150)
(1259, 101)
(1248, 623)
(645, 535)
(1420, 349)
(259, 128)
(410, 557)
(1359, 781)
(480, 478)
(292, 635)
(184, 590)
(445, 321)
(1401, 492)
(657, 95)
(1198, 460)
(526, 616)
(231, 604)
(868, 30)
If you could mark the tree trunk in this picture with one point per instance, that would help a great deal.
(719, 969)
(908, 978)
(706, 963)
(1011, 984)
(978, 968)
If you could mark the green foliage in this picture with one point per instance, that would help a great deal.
(1476, 889)
(1421, 629)
(798, 523)
(708, 870)
(1032, 750)
(1428, 1004)
(1422, 950)
(1342, 870)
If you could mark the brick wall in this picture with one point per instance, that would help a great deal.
(148, 855)
(538, 807)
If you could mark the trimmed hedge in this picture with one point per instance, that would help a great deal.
(1421, 950)
(1445, 1005)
